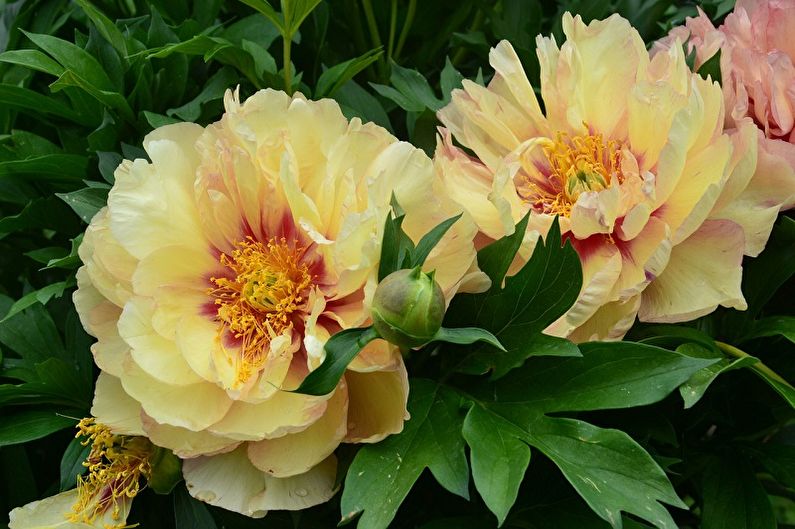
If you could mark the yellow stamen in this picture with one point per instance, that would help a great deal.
(116, 464)
(577, 164)
(269, 284)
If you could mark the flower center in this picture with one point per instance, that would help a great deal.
(577, 164)
(115, 465)
(269, 283)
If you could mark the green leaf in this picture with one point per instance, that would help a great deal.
(772, 326)
(545, 287)
(466, 335)
(190, 513)
(43, 295)
(450, 80)
(340, 350)
(74, 58)
(608, 375)
(72, 463)
(395, 244)
(105, 27)
(85, 202)
(332, 79)
(711, 68)
(358, 102)
(108, 98)
(608, 469)
(158, 120)
(33, 335)
(49, 167)
(495, 259)
(381, 475)
(213, 90)
(779, 460)
(429, 241)
(411, 90)
(108, 162)
(733, 497)
(295, 11)
(33, 59)
(271, 14)
(24, 426)
(499, 457)
(697, 384)
(29, 101)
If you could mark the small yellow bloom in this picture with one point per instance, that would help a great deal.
(219, 270)
(118, 467)
(630, 153)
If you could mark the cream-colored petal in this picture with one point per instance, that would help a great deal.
(377, 355)
(595, 212)
(230, 481)
(643, 258)
(193, 406)
(296, 453)
(53, 513)
(283, 413)
(369, 422)
(175, 266)
(610, 322)
(697, 191)
(114, 408)
(186, 443)
(158, 357)
(704, 271)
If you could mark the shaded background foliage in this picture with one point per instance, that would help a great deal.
(82, 83)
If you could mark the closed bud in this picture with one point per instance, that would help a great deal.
(408, 308)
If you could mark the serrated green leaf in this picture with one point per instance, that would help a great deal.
(381, 475)
(24, 426)
(340, 349)
(545, 287)
(85, 202)
(72, 463)
(332, 79)
(733, 497)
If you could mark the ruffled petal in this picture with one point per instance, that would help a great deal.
(114, 408)
(368, 423)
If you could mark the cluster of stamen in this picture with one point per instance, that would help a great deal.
(267, 286)
(576, 164)
(116, 464)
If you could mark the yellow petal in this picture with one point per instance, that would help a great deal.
(186, 443)
(610, 322)
(368, 423)
(114, 408)
(53, 512)
(297, 453)
(704, 271)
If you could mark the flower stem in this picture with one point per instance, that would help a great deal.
(759, 366)
(392, 27)
(412, 9)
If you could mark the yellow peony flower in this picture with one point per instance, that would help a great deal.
(117, 466)
(630, 153)
(218, 271)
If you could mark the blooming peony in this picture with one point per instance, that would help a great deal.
(217, 272)
(758, 78)
(630, 153)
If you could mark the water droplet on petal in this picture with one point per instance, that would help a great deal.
(301, 492)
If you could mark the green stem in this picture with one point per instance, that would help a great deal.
(288, 41)
(404, 33)
(392, 27)
(462, 51)
(759, 366)
(371, 23)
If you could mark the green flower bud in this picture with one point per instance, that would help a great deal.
(408, 308)
(166, 470)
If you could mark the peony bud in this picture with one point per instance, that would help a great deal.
(408, 308)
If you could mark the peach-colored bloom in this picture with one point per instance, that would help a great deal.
(630, 153)
(757, 65)
(216, 274)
